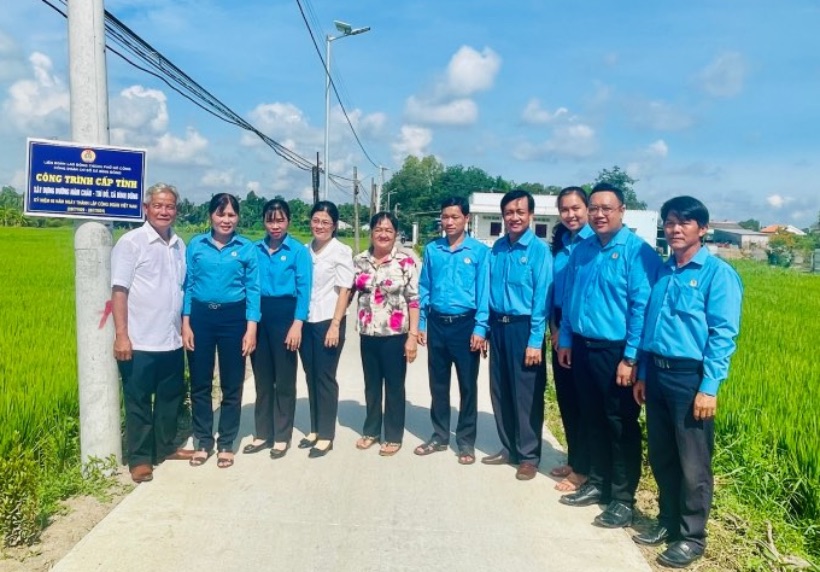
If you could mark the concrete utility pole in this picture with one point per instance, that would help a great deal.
(96, 368)
(373, 192)
(355, 211)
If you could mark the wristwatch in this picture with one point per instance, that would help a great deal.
(631, 362)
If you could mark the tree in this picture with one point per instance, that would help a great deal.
(750, 224)
(620, 179)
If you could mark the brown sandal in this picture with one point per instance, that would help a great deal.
(466, 458)
(366, 441)
(389, 449)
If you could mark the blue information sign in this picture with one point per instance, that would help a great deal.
(83, 181)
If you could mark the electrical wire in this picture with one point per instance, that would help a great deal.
(158, 66)
(333, 84)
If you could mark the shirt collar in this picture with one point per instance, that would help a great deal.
(444, 244)
(154, 236)
(699, 258)
(620, 238)
(524, 241)
(585, 232)
(235, 239)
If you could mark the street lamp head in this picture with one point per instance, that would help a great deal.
(342, 27)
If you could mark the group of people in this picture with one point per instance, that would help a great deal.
(622, 328)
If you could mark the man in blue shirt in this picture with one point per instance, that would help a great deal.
(520, 276)
(692, 321)
(453, 297)
(607, 285)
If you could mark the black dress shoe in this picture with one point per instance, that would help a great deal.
(250, 448)
(588, 494)
(306, 443)
(279, 453)
(316, 452)
(658, 534)
(616, 515)
(680, 554)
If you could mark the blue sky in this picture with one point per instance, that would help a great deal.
(719, 99)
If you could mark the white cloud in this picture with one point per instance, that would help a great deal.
(180, 150)
(216, 178)
(470, 71)
(576, 141)
(777, 201)
(282, 121)
(658, 149)
(39, 106)
(648, 160)
(368, 125)
(139, 108)
(462, 111)
(534, 114)
(413, 140)
(658, 115)
(724, 76)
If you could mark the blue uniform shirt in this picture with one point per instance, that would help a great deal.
(694, 313)
(286, 272)
(606, 290)
(222, 276)
(455, 281)
(520, 276)
(559, 263)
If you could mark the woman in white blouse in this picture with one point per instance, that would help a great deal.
(323, 334)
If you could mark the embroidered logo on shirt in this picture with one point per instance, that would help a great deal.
(283, 258)
(523, 260)
(234, 254)
(614, 256)
(467, 261)
(693, 283)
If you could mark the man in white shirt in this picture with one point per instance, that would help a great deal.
(147, 271)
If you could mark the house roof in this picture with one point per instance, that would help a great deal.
(773, 228)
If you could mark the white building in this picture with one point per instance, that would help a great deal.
(487, 224)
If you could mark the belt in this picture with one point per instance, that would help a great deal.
(594, 344)
(676, 364)
(451, 318)
(219, 305)
(508, 319)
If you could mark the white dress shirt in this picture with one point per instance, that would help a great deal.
(153, 272)
(332, 269)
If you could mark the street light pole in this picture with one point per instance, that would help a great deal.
(346, 30)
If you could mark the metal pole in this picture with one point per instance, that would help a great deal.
(355, 211)
(96, 368)
(328, 39)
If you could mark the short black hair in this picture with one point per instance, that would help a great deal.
(566, 191)
(326, 207)
(516, 194)
(384, 215)
(604, 187)
(686, 208)
(273, 206)
(459, 202)
(220, 202)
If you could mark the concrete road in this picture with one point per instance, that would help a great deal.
(354, 510)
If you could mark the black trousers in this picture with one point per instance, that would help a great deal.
(153, 387)
(448, 343)
(516, 391)
(385, 370)
(217, 327)
(610, 415)
(680, 451)
(320, 365)
(274, 371)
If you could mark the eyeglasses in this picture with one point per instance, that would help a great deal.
(605, 210)
(322, 223)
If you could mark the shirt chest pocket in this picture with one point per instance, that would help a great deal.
(519, 271)
(464, 272)
(687, 300)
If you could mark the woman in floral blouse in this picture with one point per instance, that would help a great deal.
(387, 281)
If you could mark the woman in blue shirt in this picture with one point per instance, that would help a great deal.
(572, 207)
(285, 277)
(220, 312)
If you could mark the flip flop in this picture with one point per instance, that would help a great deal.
(465, 458)
(389, 449)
